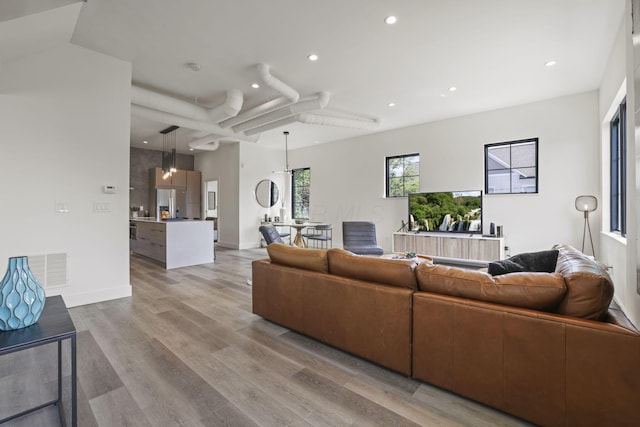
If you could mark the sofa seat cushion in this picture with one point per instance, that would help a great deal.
(538, 291)
(394, 272)
(589, 286)
(304, 258)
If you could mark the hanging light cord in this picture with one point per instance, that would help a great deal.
(286, 151)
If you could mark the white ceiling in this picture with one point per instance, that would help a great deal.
(493, 51)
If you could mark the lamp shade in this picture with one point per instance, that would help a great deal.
(586, 203)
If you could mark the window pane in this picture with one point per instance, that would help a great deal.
(523, 180)
(411, 184)
(396, 187)
(511, 167)
(523, 155)
(617, 190)
(499, 181)
(500, 156)
(403, 175)
(300, 196)
(395, 167)
(412, 165)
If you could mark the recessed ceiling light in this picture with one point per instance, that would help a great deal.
(313, 57)
(255, 85)
(550, 63)
(443, 95)
(145, 142)
(390, 20)
(391, 104)
(190, 149)
(453, 89)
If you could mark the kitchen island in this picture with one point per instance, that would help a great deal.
(175, 242)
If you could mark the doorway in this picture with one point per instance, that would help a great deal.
(212, 201)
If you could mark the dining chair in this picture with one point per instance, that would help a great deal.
(270, 234)
(319, 236)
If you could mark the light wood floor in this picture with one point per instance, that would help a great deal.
(185, 350)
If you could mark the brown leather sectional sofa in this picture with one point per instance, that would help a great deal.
(546, 347)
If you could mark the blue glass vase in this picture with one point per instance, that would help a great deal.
(21, 296)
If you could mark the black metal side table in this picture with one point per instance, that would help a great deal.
(54, 325)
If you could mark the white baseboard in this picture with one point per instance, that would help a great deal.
(74, 300)
(227, 245)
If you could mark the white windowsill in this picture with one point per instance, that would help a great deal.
(614, 236)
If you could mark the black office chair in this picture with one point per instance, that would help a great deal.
(359, 237)
(270, 234)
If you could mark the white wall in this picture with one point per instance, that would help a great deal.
(614, 250)
(64, 116)
(347, 177)
(258, 163)
(621, 253)
(222, 165)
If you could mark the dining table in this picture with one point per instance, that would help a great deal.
(298, 240)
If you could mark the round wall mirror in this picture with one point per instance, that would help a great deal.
(267, 193)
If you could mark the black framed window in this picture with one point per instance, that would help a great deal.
(403, 175)
(618, 188)
(300, 184)
(511, 167)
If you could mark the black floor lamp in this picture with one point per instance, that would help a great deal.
(587, 204)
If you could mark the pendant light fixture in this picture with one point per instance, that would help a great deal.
(168, 151)
(286, 154)
(287, 172)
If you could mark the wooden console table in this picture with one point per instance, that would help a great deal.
(54, 325)
(450, 245)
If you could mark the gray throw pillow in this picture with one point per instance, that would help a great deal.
(504, 266)
(541, 262)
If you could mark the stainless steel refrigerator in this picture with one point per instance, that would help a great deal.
(170, 203)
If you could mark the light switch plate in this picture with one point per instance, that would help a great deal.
(101, 207)
(62, 207)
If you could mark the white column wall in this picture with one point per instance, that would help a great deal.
(65, 120)
(258, 163)
(239, 168)
(222, 164)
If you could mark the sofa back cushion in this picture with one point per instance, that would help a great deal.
(589, 286)
(538, 291)
(291, 256)
(394, 272)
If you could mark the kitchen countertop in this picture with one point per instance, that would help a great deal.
(164, 221)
